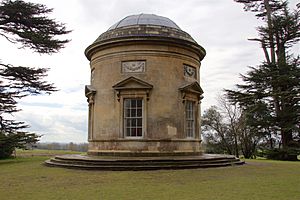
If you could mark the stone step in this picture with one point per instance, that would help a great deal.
(142, 163)
(141, 167)
(139, 159)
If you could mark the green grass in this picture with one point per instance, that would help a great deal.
(27, 178)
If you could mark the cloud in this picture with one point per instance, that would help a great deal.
(60, 117)
(56, 124)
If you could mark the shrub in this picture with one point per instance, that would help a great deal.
(6, 146)
(10, 141)
(289, 154)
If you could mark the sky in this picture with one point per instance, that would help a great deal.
(220, 26)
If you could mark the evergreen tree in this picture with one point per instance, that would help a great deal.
(270, 92)
(25, 24)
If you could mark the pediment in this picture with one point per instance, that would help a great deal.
(192, 88)
(132, 83)
(89, 90)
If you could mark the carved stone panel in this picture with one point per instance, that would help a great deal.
(133, 66)
(190, 71)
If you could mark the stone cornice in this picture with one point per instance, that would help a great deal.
(152, 40)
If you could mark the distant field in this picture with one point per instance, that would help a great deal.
(42, 152)
(26, 178)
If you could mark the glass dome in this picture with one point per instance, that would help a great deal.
(144, 19)
(145, 27)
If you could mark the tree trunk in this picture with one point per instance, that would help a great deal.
(236, 149)
(270, 27)
(286, 138)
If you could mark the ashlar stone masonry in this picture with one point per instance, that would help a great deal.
(144, 96)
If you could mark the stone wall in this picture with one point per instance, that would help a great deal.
(164, 66)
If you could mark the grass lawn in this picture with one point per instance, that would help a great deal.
(26, 178)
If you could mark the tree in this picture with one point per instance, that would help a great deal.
(270, 92)
(28, 25)
(253, 133)
(233, 115)
(221, 126)
(216, 132)
(227, 128)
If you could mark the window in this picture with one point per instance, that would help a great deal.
(133, 94)
(190, 118)
(191, 94)
(133, 117)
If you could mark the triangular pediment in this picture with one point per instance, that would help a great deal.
(89, 90)
(192, 88)
(132, 83)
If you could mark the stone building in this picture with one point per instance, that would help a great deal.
(144, 100)
(144, 96)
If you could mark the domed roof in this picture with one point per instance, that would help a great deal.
(144, 27)
(145, 19)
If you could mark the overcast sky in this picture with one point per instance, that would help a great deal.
(220, 26)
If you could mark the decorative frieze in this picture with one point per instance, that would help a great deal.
(133, 66)
(190, 71)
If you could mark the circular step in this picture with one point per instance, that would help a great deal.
(142, 163)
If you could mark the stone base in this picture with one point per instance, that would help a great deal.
(145, 147)
(114, 163)
(142, 153)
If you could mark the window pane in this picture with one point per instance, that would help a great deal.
(139, 132)
(133, 113)
(127, 103)
(133, 122)
(139, 103)
(127, 113)
(128, 124)
(133, 132)
(139, 113)
(139, 122)
(133, 103)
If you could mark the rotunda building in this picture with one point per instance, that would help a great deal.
(144, 96)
